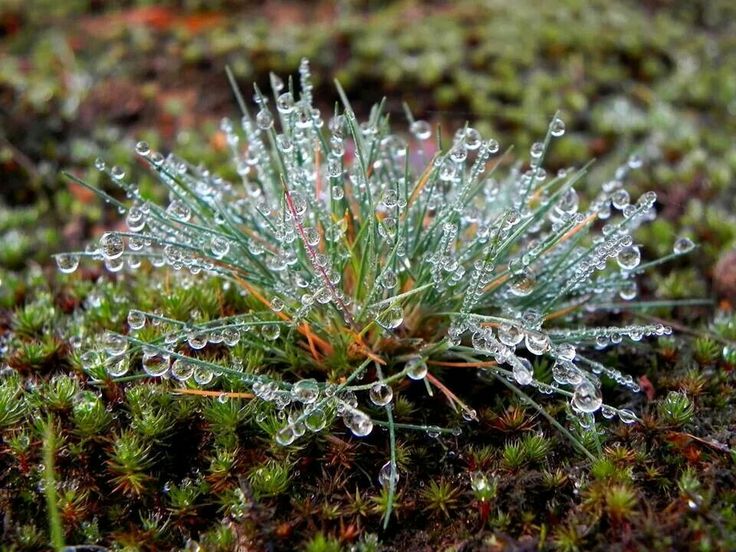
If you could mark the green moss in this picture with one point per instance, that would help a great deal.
(269, 479)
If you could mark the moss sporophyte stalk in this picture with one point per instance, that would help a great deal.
(367, 257)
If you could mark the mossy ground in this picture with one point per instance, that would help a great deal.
(139, 467)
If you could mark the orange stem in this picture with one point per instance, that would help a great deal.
(577, 228)
(454, 400)
(496, 283)
(564, 311)
(203, 393)
(421, 184)
(304, 329)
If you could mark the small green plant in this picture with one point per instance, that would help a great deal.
(440, 497)
(12, 402)
(535, 446)
(676, 409)
(366, 257)
(513, 455)
(706, 350)
(129, 460)
(620, 502)
(89, 414)
(269, 479)
(321, 543)
(60, 392)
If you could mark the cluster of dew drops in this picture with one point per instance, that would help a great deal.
(308, 405)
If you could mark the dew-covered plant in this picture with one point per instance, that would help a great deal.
(355, 257)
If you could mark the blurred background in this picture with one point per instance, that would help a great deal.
(86, 78)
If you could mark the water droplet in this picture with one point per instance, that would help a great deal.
(433, 431)
(90, 360)
(284, 143)
(384, 475)
(389, 279)
(203, 376)
(416, 368)
(626, 416)
(470, 414)
(112, 245)
(230, 336)
(620, 199)
(628, 290)
(136, 243)
(264, 119)
(390, 318)
(568, 203)
(586, 397)
(179, 210)
(182, 369)
(459, 154)
(359, 423)
(523, 284)
(683, 245)
(566, 351)
(277, 83)
(197, 339)
(557, 127)
(472, 139)
(67, 262)
(136, 319)
(219, 246)
(479, 483)
(607, 412)
(381, 394)
(117, 173)
(565, 372)
(117, 367)
(142, 148)
(493, 146)
(155, 363)
(337, 192)
(303, 115)
(647, 200)
(305, 391)
(635, 161)
(510, 334)
(315, 420)
(100, 164)
(628, 258)
(285, 103)
(114, 265)
(536, 150)
(694, 502)
(311, 236)
(286, 435)
(157, 158)
(135, 219)
(114, 344)
(271, 332)
(390, 198)
(298, 202)
(536, 343)
(277, 305)
(422, 130)
(523, 373)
